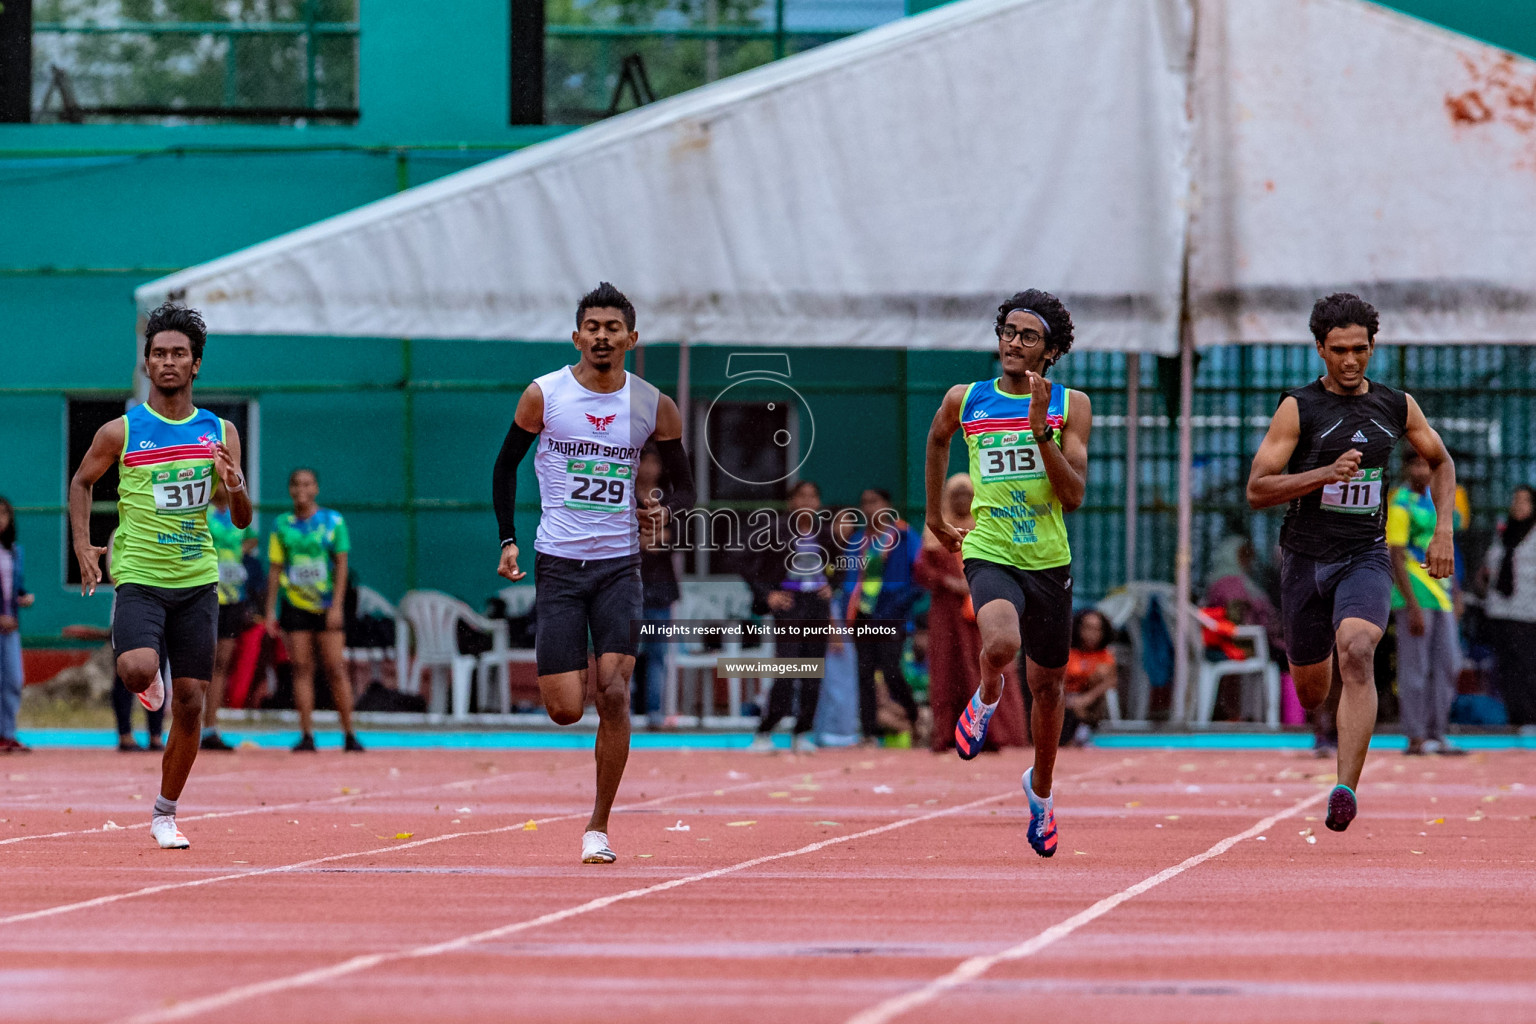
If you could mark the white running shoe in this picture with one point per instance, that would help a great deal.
(803, 744)
(762, 743)
(594, 848)
(153, 698)
(163, 828)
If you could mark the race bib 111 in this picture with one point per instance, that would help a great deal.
(597, 485)
(1360, 494)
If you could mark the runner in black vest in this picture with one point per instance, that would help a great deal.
(1326, 453)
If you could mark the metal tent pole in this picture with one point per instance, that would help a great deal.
(1182, 612)
(1132, 473)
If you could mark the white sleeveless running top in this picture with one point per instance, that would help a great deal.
(586, 461)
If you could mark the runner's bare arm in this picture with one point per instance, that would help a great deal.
(1066, 467)
(1268, 482)
(1440, 555)
(527, 421)
(226, 460)
(105, 448)
(936, 466)
(669, 421)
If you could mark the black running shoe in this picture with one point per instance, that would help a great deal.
(1341, 808)
(306, 742)
(213, 741)
(352, 745)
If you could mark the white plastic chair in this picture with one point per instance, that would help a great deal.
(1211, 673)
(495, 670)
(726, 600)
(434, 617)
(1127, 609)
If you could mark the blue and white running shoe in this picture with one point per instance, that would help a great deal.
(1042, 819)
(971, 729)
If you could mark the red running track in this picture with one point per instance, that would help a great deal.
(853, 887)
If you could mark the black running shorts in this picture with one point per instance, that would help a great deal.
(574, 597)
(1042, 598)
(180, 622)
(1316, 596)
(297, 620)
(234, 619)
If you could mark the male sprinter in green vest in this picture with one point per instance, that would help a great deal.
(171, 456)
(1027, 441)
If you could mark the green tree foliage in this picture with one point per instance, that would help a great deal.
(582, 73)
(180, 70)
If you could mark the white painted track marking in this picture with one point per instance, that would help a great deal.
(976, 966)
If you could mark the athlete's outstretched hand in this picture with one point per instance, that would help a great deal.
(89, 557)
(1345, 466)
(508, 568)
(1440, 556)
(950, 536)
(1039, 403)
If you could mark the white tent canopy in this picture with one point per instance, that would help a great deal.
(1343, 146)
(886, 189)
(882, 191)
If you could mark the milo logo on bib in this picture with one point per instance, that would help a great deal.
(179, 491)
(1005, 455)
(597, 486)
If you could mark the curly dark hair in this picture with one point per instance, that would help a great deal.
(606, 296)
(1343, 309)
(172, 316)
(1107, 632)
(1048, 306)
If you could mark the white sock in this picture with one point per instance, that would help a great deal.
(164, 806)
(1043, 801)
(993, 705)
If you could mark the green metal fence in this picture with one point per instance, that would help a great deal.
(1479, 397)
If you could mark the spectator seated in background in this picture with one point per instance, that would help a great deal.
(1091, 673)
(1233, 588)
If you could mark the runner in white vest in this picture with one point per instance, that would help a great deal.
(591, 421)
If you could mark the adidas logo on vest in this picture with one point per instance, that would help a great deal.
(1360, 436)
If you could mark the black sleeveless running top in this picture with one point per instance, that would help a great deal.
(1334, 522)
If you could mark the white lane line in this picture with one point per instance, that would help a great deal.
(301, 804)
(976, 966)
(194, 1007)
(101, 901)
(65, 793)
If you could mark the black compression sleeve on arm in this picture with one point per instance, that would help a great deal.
(678, 474)
(504, 479)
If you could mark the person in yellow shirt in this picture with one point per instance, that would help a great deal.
(1428, 645)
